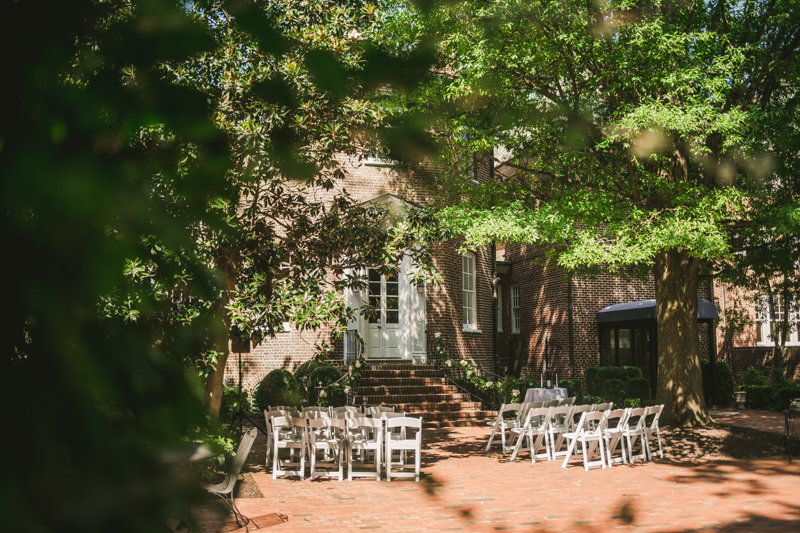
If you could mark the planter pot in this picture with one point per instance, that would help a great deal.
(740, 399)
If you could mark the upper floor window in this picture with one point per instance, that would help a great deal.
(515, 309)
(769, 321)
(468, 292)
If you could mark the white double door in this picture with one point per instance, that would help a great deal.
(384, 327)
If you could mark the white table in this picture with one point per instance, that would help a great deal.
(545, 395)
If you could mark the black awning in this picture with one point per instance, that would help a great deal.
(646, 310)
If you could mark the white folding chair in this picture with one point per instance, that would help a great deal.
(560, 422)
(552, 403)
(378, 409)
(364, 435)
(535, 430)
(294, 439)
(652, 427)
(502, 424)
(568, 401)
(407, 426)
(616, 421)
(268, 416)
(326, 435)
(281, 408)
(588, 438)
(603, 406)
(635, 429)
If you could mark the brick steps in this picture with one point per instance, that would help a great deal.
(420, 390)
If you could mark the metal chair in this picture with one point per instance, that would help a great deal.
(225, 488)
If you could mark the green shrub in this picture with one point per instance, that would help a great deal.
(231, 401)
(596, 375)
(631, 372)
(324, 373)
(279, 388)
(613, 391)
(761, 397)
(723, 377)
(786, 395)
(589, 399)
(574, 388)
(752, 377)
(254, 403)
(303, 371)
(638, 388)
(632, 403)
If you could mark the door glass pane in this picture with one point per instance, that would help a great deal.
(375, 295)
(392, 317)
(625, 351)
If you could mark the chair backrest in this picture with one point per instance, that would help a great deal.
(585, 422)
(639, 414)
(347, 414)
(364, 422)
(278, 412)
(238, 460)
(506, 407)
(568, 401)
(538, 418)
(373, 409)
(559, 415)
(288, 421)
(552, 403)
(535, 405)
(403, 422)
(654, 410)
(603, 406)
(347, 409)
(326, 422)
(388, 414)
(316, 409)
(617, 418)
(281, 408)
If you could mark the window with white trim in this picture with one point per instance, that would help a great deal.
(515, 309)
(499, 309)
(468, 291)
(769, 321)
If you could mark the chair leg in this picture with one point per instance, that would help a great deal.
(491, 438)
(516, 449)
(570, 450)
(378, 460)
(417, 461)
(660, 449)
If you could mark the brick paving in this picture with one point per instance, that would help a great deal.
(751, 418)
(465, 489)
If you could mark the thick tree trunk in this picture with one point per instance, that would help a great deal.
(213, 384)
(680, 382)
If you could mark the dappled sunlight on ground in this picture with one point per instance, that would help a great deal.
(465, 489)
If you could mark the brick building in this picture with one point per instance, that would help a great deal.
(537, 306)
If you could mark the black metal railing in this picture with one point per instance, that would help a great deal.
(457, 375)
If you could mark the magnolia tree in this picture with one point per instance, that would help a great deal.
(293, 85)
(641, 138)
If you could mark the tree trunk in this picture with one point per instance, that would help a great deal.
(213, 384)
(680, 382)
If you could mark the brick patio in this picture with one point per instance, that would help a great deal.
(465, 489)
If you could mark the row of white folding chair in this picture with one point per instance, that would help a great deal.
(339, 439)
(502, 424)
(594, 428)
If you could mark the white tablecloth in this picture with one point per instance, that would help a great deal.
(545, 395)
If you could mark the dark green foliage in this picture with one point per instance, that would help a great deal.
(631, 372)
(596, 375)
(304, 371)
(632, 402)
(648, 403)
(590, 399)
(279, 388)
(324, 373)
(613, 391)
(761, 397)
(574, 388)
(335, 397)
(786, 395)
(752, 376)
(638, 388)
(723, 376)
(231, 401)
(254, 403)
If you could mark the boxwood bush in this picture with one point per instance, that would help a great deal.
(723, 378)
(279, 388)
(786, 395)
(613, 391)
(638, 388)
(597, 375)
(761, 397)
(589, 399)
(574, 388)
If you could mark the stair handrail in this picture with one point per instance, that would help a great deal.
(459, 371)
